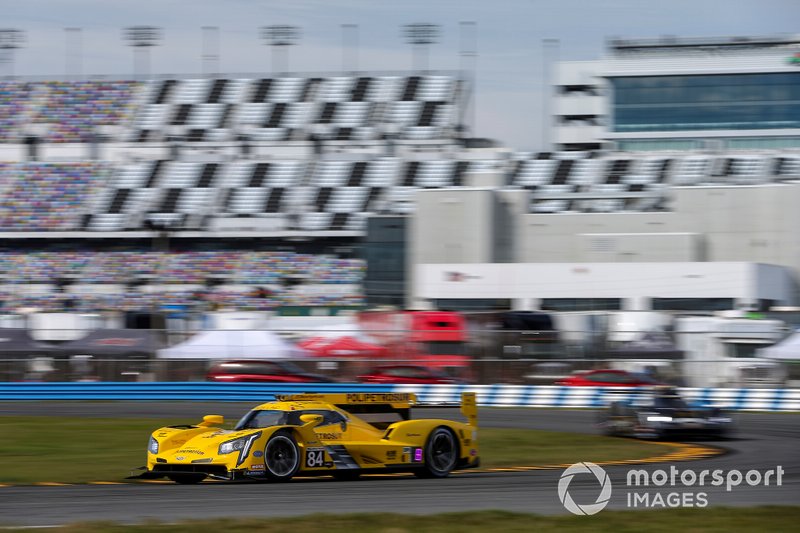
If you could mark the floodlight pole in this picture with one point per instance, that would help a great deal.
(73, 48)
(469, 68)
(210, 54)
(280, 37)
(547, 66)
(350, 48)
(141, 39)
(420, 35)
(10, 40)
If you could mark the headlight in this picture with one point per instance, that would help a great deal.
(659, 419)
(152, 446)
(241, 445)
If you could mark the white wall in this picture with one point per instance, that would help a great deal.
(636, 282)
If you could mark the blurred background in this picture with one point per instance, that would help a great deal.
(527, 193)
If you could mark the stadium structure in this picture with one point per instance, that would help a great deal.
(325, 192)
(673, 187)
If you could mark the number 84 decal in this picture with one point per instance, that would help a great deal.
(315, 457)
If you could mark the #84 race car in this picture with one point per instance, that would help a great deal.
(660, 412)
(343, 435)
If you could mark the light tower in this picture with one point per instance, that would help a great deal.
(420, 35)
(73, 48)
(469, 63)
(350, 48)
(141, 39)
(280, 37)
(549, 59)
(210, 54)
(10, 40)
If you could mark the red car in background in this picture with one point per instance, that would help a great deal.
(258, 371)
(608, 378)
(410, 374)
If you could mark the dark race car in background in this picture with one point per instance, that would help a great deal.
(660, 412)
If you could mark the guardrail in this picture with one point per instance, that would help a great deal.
(193, 391)
(487, 395)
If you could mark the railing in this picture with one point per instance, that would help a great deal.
(519, 372)
(427, 395)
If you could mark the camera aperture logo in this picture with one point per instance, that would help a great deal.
(663, 488)
(584, 468)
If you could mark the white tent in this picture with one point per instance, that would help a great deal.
(234, 344)
(788, 349)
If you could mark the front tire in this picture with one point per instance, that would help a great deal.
(441, 454)
(187, 479)
(281, 457)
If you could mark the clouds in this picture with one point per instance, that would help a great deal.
(509, 34)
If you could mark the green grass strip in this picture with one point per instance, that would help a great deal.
(709, 520)
(80, 450)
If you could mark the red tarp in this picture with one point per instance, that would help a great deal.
(342, 347)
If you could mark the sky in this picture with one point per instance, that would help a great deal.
(508, 37)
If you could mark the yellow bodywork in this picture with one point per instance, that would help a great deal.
(330, 439)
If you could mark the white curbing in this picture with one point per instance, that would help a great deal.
(594, 397)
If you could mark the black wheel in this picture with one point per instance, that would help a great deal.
(608, 419)
(187, 479)
(346, 475)
(441, 454)
(281, 457)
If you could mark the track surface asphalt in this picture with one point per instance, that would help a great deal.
(762, 442)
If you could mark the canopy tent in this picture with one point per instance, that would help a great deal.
(17, 342)
(345, 346)
(234, 344)
(652, 345)
(788, 349)
(113, 343)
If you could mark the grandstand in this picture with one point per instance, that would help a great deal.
(127, 194)
(113, 189)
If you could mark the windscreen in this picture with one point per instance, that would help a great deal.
(261, 419)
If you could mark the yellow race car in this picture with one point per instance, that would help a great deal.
(342, 435)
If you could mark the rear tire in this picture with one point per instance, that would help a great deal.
(441, 454)
(281, 457)
(187, 479)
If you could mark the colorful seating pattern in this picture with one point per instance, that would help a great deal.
(47, 196)
(72, 109)
(177, 269)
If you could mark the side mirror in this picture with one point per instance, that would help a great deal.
(311, 420)
(212, 420)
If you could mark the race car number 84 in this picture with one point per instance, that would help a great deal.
(315, 458)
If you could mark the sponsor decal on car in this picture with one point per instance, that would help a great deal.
(258, 453)
(364, 397)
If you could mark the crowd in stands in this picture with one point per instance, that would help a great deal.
(72, 110)
(189, 267)
(175, 302)
(46, 196)
(270, 279)
(13, 103)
